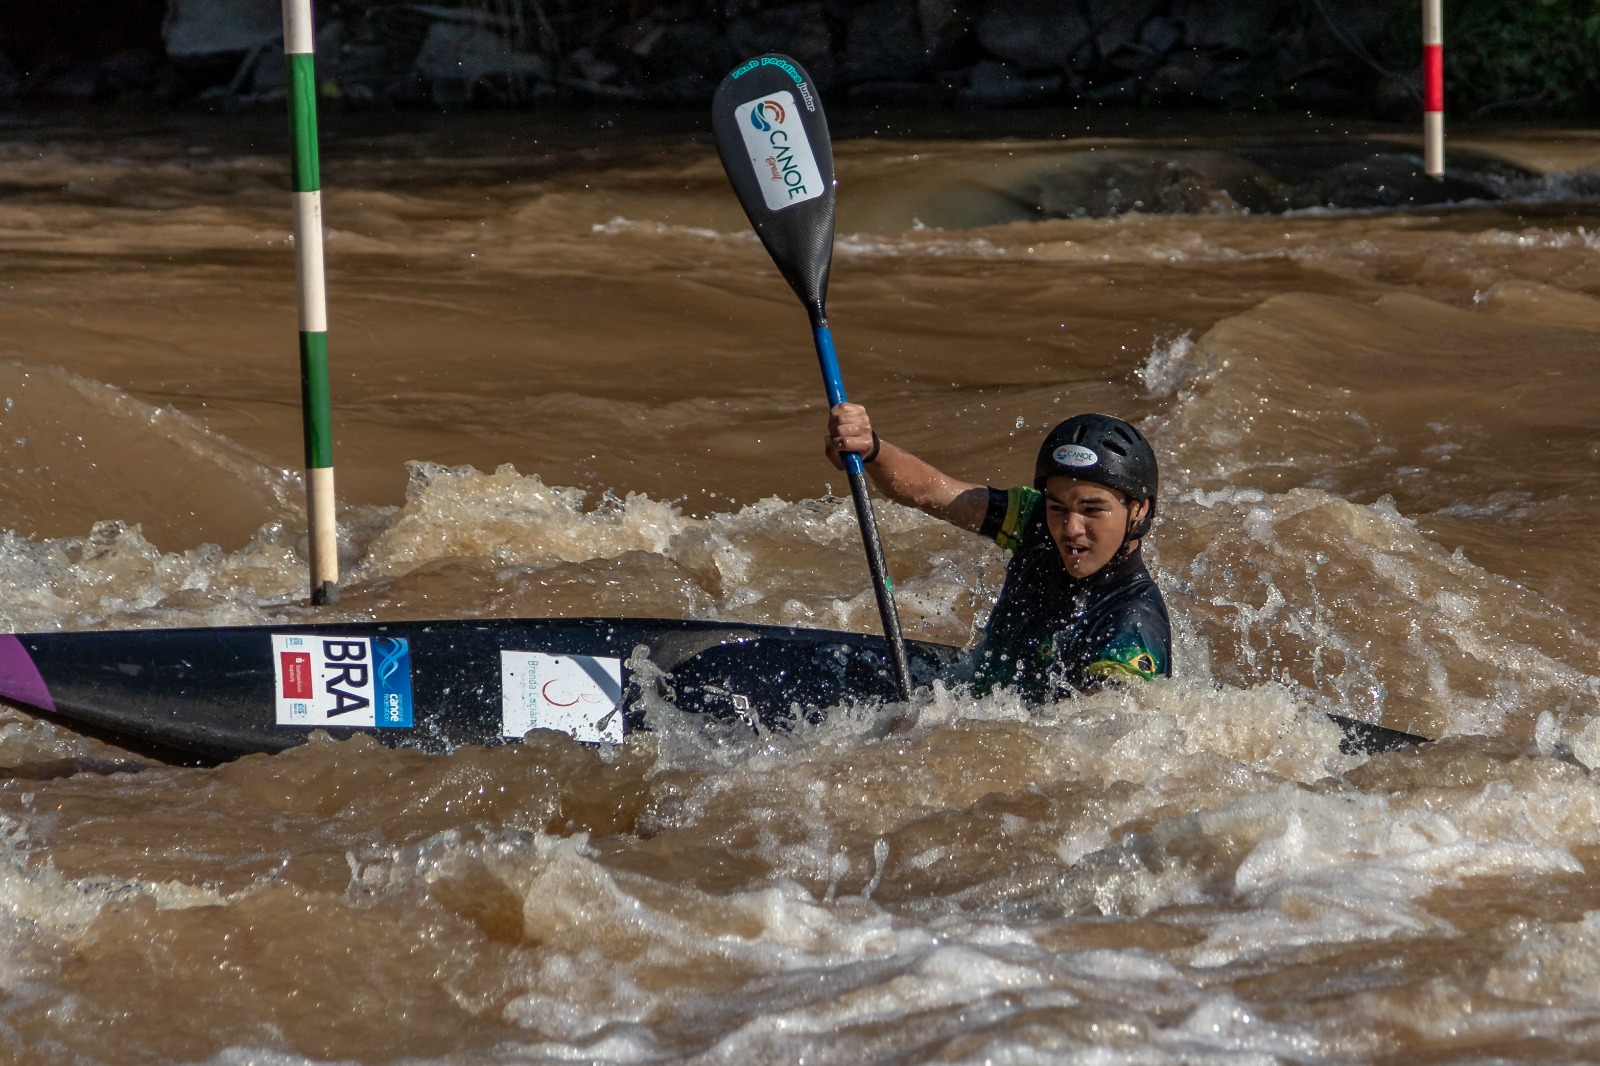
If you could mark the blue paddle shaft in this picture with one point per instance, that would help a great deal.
(828, 359)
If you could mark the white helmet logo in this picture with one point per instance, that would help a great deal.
(1074, 455)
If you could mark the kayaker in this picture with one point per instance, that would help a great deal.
(1078, 608)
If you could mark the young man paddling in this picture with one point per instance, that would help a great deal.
(1078, 608)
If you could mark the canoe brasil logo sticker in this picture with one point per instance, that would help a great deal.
(780, 151)
(326, 681)
(1075, 455)
(579, 695)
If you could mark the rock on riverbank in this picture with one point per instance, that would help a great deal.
(908, 52)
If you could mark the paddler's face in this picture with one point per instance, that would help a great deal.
(1087, 521)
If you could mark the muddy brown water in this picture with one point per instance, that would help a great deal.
(568, 382)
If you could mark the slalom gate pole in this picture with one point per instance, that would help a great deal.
(1433, 88)
(299, 43)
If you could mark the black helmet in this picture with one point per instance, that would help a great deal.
(1105, 450)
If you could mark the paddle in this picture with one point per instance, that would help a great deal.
(773, 139)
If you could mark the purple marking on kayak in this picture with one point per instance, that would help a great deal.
(19, 678)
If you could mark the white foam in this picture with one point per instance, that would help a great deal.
(1331, 868)
(238, 1056)
(511, 518)
(1170, 366)
(1551, 964)
(1223, 1026)
(115, 578)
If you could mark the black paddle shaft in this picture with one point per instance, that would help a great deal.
(773, 140)
(880, 581)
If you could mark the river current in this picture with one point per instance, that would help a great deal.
(567, 381)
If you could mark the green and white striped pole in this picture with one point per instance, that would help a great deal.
(299, 44)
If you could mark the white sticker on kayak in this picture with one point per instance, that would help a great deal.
(779, 149)
(580, 695)
(326, 681)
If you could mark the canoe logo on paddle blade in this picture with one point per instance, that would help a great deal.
(780, 151)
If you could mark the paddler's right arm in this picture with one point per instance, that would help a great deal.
(903, 477)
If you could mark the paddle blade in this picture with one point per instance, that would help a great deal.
(774, 144)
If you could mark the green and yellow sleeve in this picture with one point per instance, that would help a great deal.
(1008, 515)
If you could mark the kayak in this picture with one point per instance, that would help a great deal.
(203, 696)
(213, 694)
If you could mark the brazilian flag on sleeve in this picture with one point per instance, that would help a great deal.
(1126, 656)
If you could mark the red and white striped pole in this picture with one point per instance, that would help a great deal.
(299, 44)
(1432, 88)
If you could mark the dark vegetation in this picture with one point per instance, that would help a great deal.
(1535, 56)
(1504, 58)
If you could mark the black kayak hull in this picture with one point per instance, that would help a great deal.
(203, 696)
(213, 694)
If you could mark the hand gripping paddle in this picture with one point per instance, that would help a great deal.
(774, 144)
